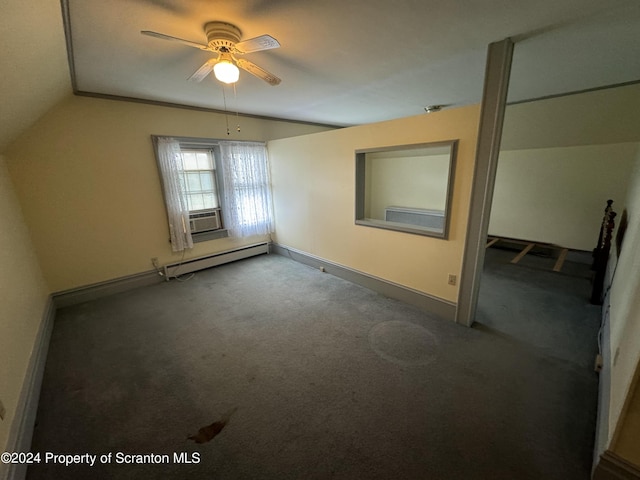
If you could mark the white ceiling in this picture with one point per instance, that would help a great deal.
(356, 61)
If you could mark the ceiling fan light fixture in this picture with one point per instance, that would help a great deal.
(226, 71)
(223, 40)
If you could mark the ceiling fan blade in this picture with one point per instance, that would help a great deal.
(203, 71)
(259, 72)
(175, 39)
(263, 42)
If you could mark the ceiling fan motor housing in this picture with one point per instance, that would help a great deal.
(222, 36)
(224, 39)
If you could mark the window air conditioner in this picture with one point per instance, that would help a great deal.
(203, 222)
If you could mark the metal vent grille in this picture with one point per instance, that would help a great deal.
(415, 216)
(204, 222)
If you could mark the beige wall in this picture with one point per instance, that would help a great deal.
(314, 193)
(624, 312)
(24, 295)
(414, 182)
(558, 195)
(35, 72)
(87, 180)
(627, 444)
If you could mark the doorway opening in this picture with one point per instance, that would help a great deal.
(552, 183)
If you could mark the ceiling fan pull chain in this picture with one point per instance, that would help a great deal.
(235, 98)
(226, 115)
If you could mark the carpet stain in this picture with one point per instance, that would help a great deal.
(208, 432)
(403, 343)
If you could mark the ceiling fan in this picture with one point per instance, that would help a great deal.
(224, 40)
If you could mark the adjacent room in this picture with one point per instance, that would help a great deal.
(561, 159)
(247, 239)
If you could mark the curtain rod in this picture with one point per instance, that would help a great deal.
(205, 141)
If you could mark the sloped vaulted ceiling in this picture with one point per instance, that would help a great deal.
(33, 59)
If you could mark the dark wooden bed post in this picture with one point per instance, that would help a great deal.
(601, 253)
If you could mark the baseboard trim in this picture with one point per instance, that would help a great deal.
(94, 291)
(430, 304)
(614, 467)
(24, 421)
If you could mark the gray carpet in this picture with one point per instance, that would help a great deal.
(550, 310)
(330, 380)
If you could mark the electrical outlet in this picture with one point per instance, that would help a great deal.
(3, 411)
(452, 279)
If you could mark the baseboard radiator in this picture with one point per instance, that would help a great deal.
(415, 216)
(192, 265)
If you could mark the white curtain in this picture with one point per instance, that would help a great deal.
(247, 189)
(170, 162)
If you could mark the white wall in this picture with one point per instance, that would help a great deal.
(24, 296)
(558, 195)
(562, 158)
(624, 312)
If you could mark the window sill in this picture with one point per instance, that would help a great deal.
(212, 235)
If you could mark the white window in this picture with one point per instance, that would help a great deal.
(199, 179)
(212, 188)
